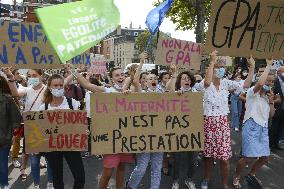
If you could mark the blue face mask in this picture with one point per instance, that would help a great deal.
(220, 73)
(266, 88)
(57, 92)
(33, 82)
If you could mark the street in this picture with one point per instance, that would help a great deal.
(272, 175)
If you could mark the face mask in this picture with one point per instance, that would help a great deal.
(33, 82)
(57, 92)
(245, 74)
(266, 88)
(220, 73)
(117, 87)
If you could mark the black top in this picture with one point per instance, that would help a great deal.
(10, 118)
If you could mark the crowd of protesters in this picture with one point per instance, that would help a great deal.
(246, 102)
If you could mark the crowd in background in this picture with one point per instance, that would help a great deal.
(245, 100)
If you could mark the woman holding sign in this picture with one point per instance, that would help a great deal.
(182, 84)
(113, 161)
(143, 159)
(217, 143)
(33, 95)
(54, 99)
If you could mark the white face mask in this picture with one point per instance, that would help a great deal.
(117, 87)
(33, 81)
(57, 92)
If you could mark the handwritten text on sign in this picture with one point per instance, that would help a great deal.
(98, 65)
(148, 122)
(24, 45)
(182, 53)
(59, 130)
(242, 27)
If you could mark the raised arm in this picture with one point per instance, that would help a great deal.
(82, 81)
(136, 78)
(249, 78)
(210, 71)
(11, 81)
(263, 76)
(171, 84)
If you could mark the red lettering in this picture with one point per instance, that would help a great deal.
(83, 142)
(169, 57)
(165, 43)
(85, 121)
(76, 140)
(186, 47)
(50, 144)
(180, 56)
(60, 141)
(51, 117)
(58, 118)
(186, 59)
(68, 141)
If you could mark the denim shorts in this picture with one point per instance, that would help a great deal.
(255, 140)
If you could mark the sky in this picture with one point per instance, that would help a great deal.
(136, 11)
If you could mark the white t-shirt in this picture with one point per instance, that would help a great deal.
(63, 106)
(111, 90)
(30, 96)
(240, 89)
(215, 102)
(87, 101)
(257, 108)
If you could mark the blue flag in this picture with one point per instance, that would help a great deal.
(156, 17)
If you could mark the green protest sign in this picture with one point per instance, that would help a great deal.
(72, 28)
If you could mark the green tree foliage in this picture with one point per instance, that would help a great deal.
(186, 14)
(141, 43)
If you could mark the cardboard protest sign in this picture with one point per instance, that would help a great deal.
(57, 130)
(98, 65)
(242, 27)
(82, 25)
(146, 122)
(182, 53)
(24, 45)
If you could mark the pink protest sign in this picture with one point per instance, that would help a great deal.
(182, 53)
(98, 65)
(146, 122)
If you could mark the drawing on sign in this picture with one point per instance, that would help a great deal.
(58, 130)
(158, 124)
(240, 28)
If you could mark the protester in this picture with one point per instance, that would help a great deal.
(217, 143)
(236, 103)
(143, 159)
(255, 142)
(111, 161)
(33, 99)
(10, 118)
(164, 78)
(277, 127)
(54, 99)
(184, 82)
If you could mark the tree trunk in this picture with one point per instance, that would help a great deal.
(200, 18)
